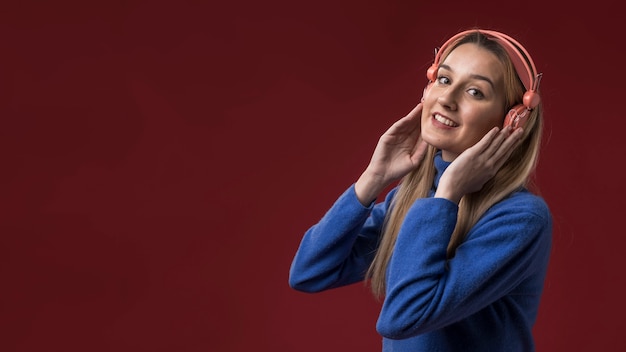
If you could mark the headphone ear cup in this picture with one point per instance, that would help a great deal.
(531, 99)
(517, 116)
(431, 74)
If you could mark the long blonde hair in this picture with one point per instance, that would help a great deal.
(517, 172)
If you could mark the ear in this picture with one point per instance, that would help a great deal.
(426, 89)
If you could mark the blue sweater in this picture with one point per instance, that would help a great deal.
(484, 299)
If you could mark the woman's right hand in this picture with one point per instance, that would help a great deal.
(399, 150)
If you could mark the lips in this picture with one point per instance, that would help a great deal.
(445, 120)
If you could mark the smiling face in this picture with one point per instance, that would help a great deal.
(465, 101)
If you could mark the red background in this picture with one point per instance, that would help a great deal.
(161, 160)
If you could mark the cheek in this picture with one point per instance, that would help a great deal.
(427, 133)
(427, 106)
(497, 120)
(486, 120)
(481, 124)
(424, 115)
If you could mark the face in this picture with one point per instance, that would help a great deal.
(465, 101)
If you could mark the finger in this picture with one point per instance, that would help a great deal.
(497, 142)
(417, 110)
(508, 146)
(410, 122)
(419, 151)
(483, 144)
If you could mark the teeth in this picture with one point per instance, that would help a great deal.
(445, 121)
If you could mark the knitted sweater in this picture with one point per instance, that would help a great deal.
(485, 298)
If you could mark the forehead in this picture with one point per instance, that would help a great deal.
(472, 59)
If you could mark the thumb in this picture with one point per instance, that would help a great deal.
(419, 151)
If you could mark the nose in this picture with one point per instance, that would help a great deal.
(447, 98)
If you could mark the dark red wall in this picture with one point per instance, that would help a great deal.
(161, 160)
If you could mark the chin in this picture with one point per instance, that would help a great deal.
(431, 140)
(439, 144)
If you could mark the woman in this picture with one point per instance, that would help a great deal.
(459, 250)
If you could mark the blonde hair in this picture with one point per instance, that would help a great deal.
(517, 172)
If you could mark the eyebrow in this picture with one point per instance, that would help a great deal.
(474, 76)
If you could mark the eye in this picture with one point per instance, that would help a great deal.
(476, 93)
(443, 80)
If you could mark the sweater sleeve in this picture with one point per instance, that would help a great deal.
(426, 291)
(338, 250)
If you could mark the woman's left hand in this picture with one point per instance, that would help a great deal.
(470, 171)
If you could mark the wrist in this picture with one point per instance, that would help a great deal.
(368, 188)
(447, 193)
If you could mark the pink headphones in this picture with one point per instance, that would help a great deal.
(524, 66)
